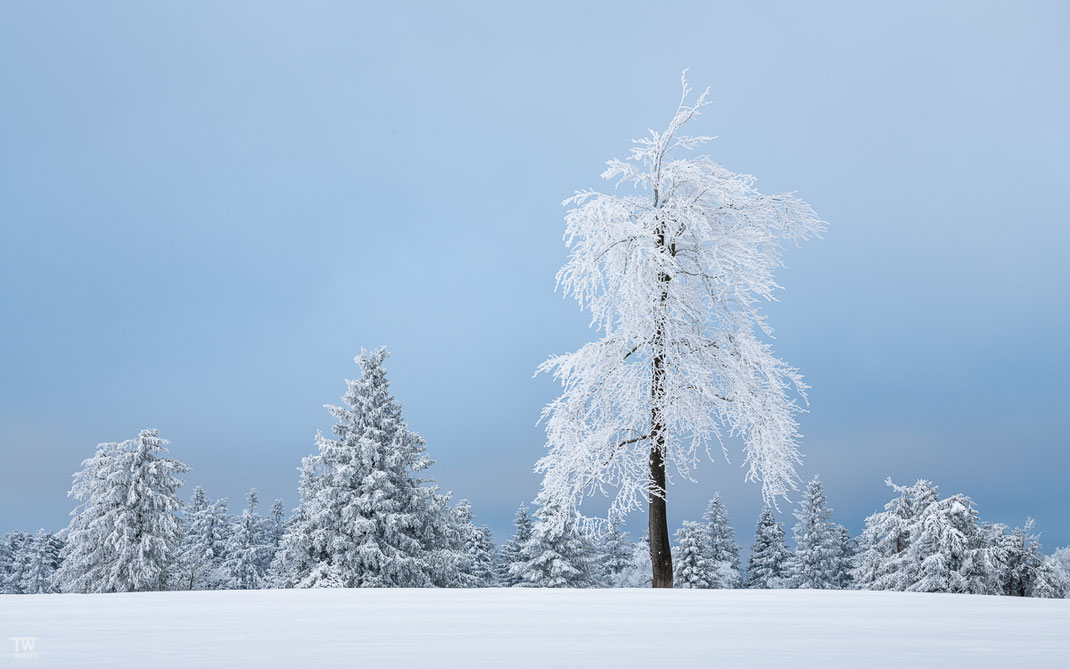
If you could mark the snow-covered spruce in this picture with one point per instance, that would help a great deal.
(692, 565)
(510, 552)
(249, 549)
(881, 562)
(768, 562)
(14, 561)
(555, 556)
(673, 272)
(40, 564)
(124, 535)
(366, 517)
(818, 558)
(722, 552)
(615, 554)
(202, 551)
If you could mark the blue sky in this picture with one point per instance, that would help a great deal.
(206, 211)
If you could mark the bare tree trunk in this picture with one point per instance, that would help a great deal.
(660, 551)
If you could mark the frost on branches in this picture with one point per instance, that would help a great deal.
(673, 270)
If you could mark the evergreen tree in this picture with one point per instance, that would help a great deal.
(768, 563)
(882, 562)
(510, 552)
(693, 567)
(483, 555)
(15, 557)
(637, 573)
(1026, 571)
(1060, 565)
(42, 559)
(365, 519)
(944, 548)
(845, 557)
(616, 553)
(816, 559)
(203, 548)
(125, 534)
(555, 557)
(722, 550)
(248, 549)
(278, 526)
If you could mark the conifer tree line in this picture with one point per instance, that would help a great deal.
(369, 516)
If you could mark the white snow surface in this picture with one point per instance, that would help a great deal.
(536, 628)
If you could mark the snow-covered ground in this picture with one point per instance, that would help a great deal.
(535, 628)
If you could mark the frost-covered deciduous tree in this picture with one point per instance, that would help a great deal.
(768, 562)
(816, 560)
(366, 519)
(674, 272)
(510, 553)
(692, 566)
(202, 551)
(125, 534)
(555, 556)
(722, 552)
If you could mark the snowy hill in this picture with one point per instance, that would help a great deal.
(535, 628)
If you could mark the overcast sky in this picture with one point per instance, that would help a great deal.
(208, 209)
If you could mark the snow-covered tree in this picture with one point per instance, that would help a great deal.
(637, 573)
(202, 550)
(1060, 564)
(692, 566)
(722, 551)
(555, 556)
(1025, 570)
(278, 524)
(124, 535)
(365, 517)
(674, 272)
(510, 552)
(816, 560)
(476, 554)
(847, 547)
(483, 555)
(42, 559)
(615, 553)
(881, 562)
(248, 549)
(769, 558)
(944, 548)
(15, 556)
